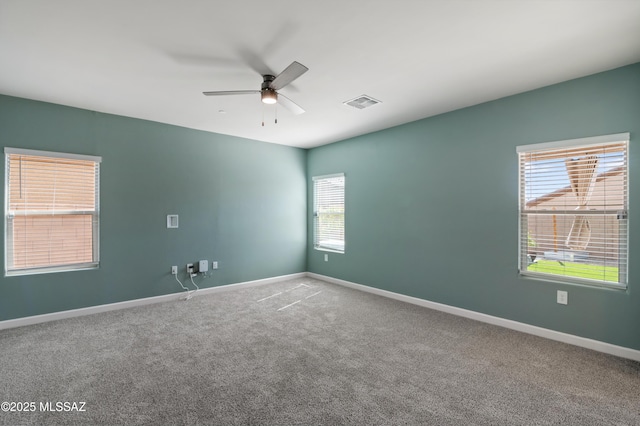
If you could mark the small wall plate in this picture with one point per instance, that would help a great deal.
(172, 221)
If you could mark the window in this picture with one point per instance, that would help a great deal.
(573, 210)
(51, 211)
(328, 212)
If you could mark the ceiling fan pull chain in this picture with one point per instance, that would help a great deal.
(262, 115)
(276, 114)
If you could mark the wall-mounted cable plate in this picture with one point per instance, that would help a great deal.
(172, 221)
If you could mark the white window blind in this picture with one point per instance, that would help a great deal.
(328, 213)
(51, 211)
(573, 210)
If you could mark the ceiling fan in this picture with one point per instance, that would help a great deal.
(270, 86)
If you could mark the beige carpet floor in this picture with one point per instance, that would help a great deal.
(305, 352)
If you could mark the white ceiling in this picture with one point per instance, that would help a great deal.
(152, 59)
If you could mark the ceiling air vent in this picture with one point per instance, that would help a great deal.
(362, 102)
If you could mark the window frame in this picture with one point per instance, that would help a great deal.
(316, 244)
(95, 216)
(621, 138)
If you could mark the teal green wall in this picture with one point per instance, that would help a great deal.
(431, 206)
(241, 202)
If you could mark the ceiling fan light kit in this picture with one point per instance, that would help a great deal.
(269, 96)
(270, 86)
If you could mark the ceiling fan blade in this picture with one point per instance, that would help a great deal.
(289, 104)
(231, 92)
(289, 74)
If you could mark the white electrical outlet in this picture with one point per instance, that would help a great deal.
(174, 270)
(326, 257)
(563, 297)
(189, 269)
(214, 264)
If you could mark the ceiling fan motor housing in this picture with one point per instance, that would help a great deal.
(268, 78)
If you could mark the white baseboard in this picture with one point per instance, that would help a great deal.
(54, 316)
(571, 339)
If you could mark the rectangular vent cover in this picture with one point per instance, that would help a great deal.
(362, 102)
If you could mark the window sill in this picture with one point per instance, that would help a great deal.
(328, 250)
(585, 283)
(38, 271)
